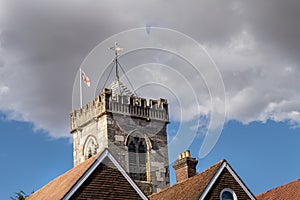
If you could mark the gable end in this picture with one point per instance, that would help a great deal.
(226, 178)
(105, 173)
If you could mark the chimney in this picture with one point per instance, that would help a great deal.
(185, 166)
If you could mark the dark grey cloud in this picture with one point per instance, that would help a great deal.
(42, 44)
(275, 25)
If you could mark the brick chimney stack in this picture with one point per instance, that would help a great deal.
(185, 166)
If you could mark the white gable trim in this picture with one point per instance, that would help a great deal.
(212, 182)
(234, 175)
(132, 183)
(105, 154)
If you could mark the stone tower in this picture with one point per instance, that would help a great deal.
(133, 129)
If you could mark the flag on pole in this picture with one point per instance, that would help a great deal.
(85, 78)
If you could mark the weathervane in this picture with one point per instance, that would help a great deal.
(117, 49)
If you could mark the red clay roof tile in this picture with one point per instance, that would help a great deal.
(190, 188)
(58, 188)
(288, 191)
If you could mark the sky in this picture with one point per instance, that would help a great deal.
(254, 44)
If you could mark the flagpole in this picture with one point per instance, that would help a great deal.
(80, 87)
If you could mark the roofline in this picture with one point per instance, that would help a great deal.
(99, 160)
(240, 181)
(212, 181)
(275, 188)
(132, 183)
(235, 176)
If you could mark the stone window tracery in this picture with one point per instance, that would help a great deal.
(137, 158)
(90, 147)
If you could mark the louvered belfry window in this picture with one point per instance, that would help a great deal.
(137, 150)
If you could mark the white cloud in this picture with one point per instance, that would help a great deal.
(42, 44)
(258, 89)
(3, 90)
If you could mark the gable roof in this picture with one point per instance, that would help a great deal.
(64, 186)
(57, 188)
(190, 188)
(288, 191)
(198, 186)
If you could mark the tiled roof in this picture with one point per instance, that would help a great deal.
(191, 188)
(101, 174)
(58, 188)
(106, 182)
(288, 191)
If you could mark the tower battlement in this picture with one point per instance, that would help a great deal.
(119, 104)
(132, 128)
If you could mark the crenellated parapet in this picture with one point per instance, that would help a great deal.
(121, 104)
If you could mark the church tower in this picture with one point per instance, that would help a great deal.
(134, 131)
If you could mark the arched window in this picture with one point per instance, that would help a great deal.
(228, 194)
(90, 147)
(137, 158)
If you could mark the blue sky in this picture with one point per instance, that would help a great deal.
(263, 155)
(254, 44)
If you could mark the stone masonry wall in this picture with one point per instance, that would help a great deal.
(120, 127)
(106, 122)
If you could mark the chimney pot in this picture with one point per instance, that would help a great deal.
(187, 153)
(179, 156)
(185, 166)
